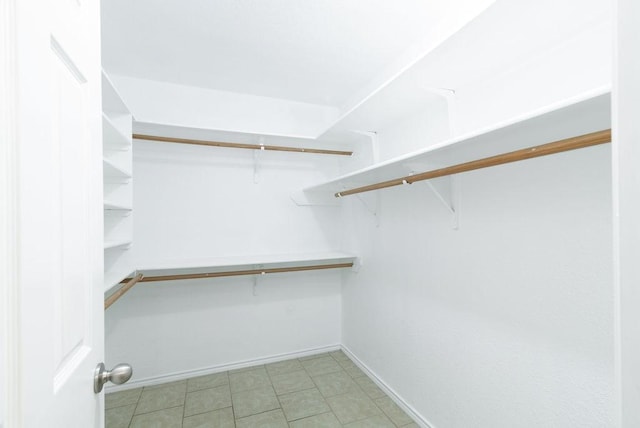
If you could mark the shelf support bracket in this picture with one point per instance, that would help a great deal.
(449, 96)
(257, 154)
(371, 202)
(445, 189)
(256, 280)
(375, 146)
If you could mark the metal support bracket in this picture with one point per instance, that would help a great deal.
(257, 154)
(373, 139)
(450, 97)
(445, 189)
(372, 203)
(357, 264)
(256, 280)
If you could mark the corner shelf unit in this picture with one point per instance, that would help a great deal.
(118, 187)
(587, 113)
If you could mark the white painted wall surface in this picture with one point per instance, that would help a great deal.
(197, 202)
(567, 69)
(506, 322)
(562, 65)
(190, 106)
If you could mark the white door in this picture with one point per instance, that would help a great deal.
(57, 46)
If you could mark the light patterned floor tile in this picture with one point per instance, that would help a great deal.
(165, 385)
(379, 421)
(222, 418)
(321, 390)
(272, 419)
(283, 367)
(119, 417)
(161, 398)
(325, 420)
(339, 356)
(369, 387)
(208, 381)
(337, 383)
(353, 407)
(395, 413)
(291, 382)
(301, 404)
(207, 399)
(167, 418)
(249, 379)
(322, 365)
(350, 367)
(254, 401)
(314, 356)
(122, 398)
(246, 369)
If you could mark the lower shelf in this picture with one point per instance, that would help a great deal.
(113, 277)
(118, 243)
(253, 265)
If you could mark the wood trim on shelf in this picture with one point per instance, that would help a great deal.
(129, 283)
(239, 145)
(242, 272)
(573, 143)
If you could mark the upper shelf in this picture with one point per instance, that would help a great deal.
(169, 132)
(242, 264)
(113, 171)
(588, 113)
(113, 137)
(111, 100)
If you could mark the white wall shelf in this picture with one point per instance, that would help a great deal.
(118, 187)
(112, 101)
(247, 263)
(113, 137)
(588, 113)
(117, 243)
(112, 206)
(113, 171)
(113, 277)
(174, 131)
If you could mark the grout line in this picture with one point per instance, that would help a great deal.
(156, 410)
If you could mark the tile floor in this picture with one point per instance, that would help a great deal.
(323, 390)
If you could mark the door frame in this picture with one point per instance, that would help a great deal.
(626, 209)
(10, 369)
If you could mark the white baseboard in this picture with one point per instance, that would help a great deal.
(409, 410)
(176, 376)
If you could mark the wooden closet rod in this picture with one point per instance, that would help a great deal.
(243, 272)
(239, 145)
(130, 282)
(573, 143)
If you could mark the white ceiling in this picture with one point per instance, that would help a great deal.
(320, 52)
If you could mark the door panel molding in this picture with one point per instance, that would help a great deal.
(10, 362)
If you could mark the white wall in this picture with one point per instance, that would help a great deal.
(556, 64)
(505, 322)
(198, 202)
(190, 106)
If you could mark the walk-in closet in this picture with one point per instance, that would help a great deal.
(289, 214)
